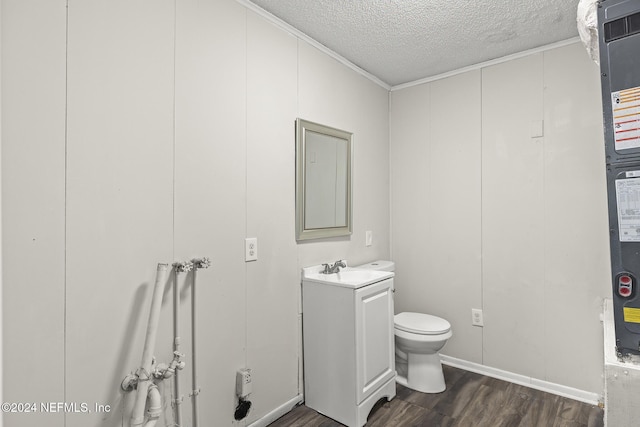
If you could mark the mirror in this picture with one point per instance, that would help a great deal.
(323, 181)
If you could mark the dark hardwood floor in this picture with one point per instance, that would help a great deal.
(470, 400)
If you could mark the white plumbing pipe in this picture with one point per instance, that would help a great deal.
(177, 398)
(194, 377)
(144, 373)
(197, 263)
(155, 406)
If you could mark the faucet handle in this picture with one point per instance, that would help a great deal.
(327, 269)
(336, 266)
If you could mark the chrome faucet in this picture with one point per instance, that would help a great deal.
(335, 268)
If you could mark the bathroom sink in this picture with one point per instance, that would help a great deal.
(347, 277)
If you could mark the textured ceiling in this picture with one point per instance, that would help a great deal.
(400, 41)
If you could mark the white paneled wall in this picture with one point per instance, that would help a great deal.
(119, 194)
(454, 205)
(409, 158)
(436, 204)
(356, 105)
(513, 217)
(156, 132)
(536, 258)
(210, 196)
(273, 282)
(577, 270)
(33, 251)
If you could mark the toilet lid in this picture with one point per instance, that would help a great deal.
(420, 323)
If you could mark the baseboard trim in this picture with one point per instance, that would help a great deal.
(546, 386)
(277, 413)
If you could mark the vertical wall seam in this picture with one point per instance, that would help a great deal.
(299, 284)
(246, 181)
(65, 213)
(295, 157)
(1, 240)
(173, 160)
(429, 143)
(297, 77)
(481, 73)
(544, 215)
(390, 175)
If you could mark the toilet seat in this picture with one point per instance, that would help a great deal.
(421, 324)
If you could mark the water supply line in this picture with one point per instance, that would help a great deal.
(145, 387)
(179, 267)
(197, 264)
(155, 406)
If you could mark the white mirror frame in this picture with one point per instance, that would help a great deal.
(303, 232)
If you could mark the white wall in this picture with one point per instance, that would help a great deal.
(162, 131)
(159, 132)
(435, 170)
(485, 216)
(356, 105)
(33, 203)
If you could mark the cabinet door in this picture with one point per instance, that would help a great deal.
(375, 354)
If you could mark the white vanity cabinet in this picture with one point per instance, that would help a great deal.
(348, 347)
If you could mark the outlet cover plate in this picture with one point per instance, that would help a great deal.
(476, 317)
(251, 249)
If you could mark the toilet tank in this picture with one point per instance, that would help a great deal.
(380, 265)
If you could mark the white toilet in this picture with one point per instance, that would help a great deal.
(419, 338)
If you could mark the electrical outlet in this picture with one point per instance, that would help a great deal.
(243, 382)
(476, 317)
(251, 249)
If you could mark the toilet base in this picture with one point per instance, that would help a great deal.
(423, 373)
